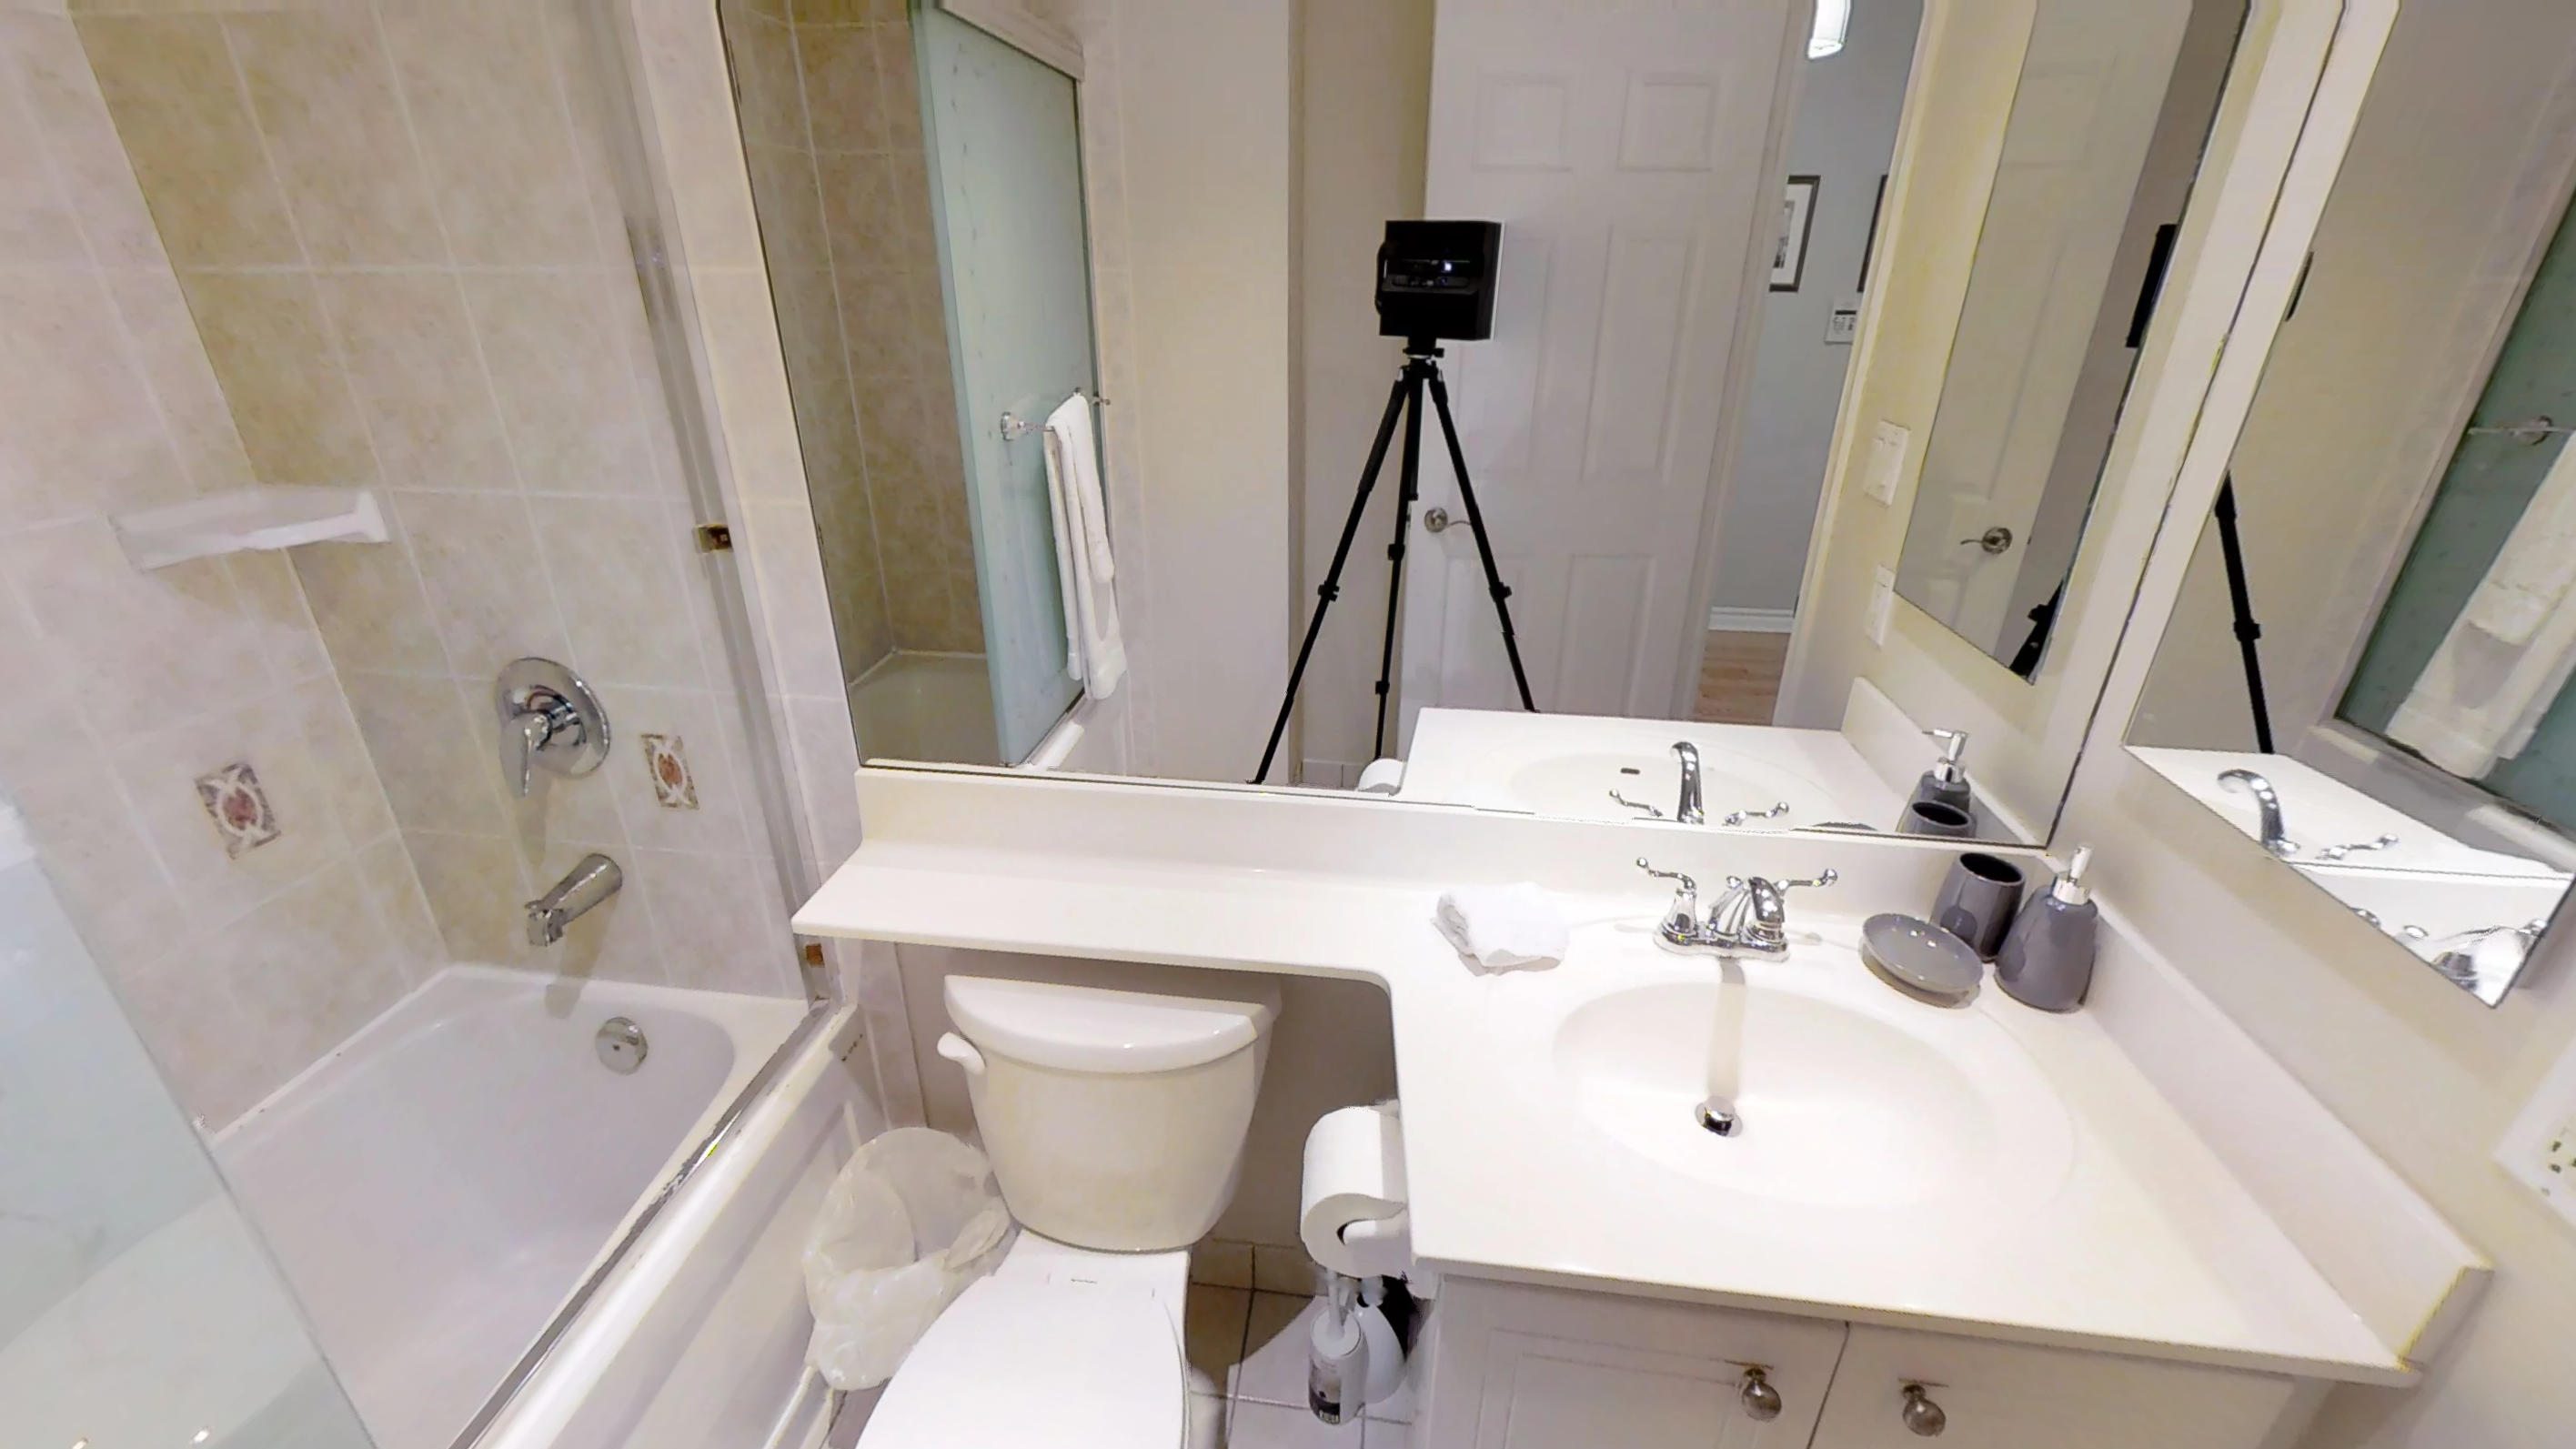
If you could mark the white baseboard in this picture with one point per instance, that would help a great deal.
(1751, 621)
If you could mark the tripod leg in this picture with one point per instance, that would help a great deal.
(1331, 588)
(2240, 600)
(1484, 546)
(1408, 488)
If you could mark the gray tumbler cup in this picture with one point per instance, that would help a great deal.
(1978, 900)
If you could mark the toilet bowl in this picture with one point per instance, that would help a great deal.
(1115, 1125)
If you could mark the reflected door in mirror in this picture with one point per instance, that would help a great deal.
(2105, 136)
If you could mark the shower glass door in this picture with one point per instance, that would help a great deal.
(1006, 191)
(137, 1306)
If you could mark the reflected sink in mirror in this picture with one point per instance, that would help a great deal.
(1846, 1094)
(1603, 768)
(1738, 790)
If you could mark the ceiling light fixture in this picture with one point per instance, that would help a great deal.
(1833, 25)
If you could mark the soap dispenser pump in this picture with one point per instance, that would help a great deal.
(1946, 783)
(2046, 959)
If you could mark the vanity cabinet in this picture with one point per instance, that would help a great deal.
(1987, 1395)
(1539, 1368)
(1514, 1367)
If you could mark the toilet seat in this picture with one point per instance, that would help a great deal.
(1039, 1362)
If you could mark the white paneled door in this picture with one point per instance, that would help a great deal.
(1628, 147)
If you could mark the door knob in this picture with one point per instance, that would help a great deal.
(1920, 1415)
(1761, 1401)
(1993, 540)
(1436, 520)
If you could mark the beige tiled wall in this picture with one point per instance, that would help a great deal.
(831, 122)
(119, 688)
(395, 224)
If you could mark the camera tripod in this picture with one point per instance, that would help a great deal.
(1404, 400)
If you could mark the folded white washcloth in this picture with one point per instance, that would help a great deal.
(1502, 928)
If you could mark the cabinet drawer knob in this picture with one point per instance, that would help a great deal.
(1761, 1401)
(1921, 1415)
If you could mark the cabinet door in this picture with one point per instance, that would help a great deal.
(2007, 1396)
(1533, 1368)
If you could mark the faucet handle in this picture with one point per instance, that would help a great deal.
(522, 735)
(1683, 915)
(1758, 910)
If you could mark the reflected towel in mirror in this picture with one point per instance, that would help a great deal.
(2510, 652)
(1096, 652)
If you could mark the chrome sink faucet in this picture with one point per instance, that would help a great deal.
(2276, 838)
(584, 888)
(1690, 811)
(1750, 920)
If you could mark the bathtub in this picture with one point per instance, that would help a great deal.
(916, 706)
(440, 1185)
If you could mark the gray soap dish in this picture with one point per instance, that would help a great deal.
(1920, 959)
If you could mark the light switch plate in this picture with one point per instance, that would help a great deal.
(2539, 1150)
(1843, 323)
(1882, 603)
(1886, 460)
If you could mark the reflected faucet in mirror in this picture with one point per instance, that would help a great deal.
(1690, 811)
(2266, 799)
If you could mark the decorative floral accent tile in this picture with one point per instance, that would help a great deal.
(239, 807)
(673, 785)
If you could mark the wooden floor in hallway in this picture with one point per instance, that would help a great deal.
(1739, 677)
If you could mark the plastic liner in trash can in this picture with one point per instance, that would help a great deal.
(912, 1220)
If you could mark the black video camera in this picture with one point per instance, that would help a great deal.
(1435, 280)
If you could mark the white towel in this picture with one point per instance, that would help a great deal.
(1502, 928)
(1082, 548)
(2509, 653)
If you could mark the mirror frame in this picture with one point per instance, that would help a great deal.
(2031, 735)
(2323, 137)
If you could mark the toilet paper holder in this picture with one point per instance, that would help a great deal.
(1352, 1216)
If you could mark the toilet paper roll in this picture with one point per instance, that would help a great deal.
(1352, 1208)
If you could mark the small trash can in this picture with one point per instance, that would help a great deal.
(911, 1220)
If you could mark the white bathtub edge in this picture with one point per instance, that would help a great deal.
(549, 1408)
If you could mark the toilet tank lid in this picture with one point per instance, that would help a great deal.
(1088, 1029)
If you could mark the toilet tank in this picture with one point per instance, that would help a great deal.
(1114, 1119)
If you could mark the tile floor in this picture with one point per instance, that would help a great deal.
(1245, 1326)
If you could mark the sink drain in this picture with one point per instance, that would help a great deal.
(1716, 1117)
(621, 1045)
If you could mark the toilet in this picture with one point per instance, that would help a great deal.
(1115, 1123)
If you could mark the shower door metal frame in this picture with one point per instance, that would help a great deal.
(652, 237)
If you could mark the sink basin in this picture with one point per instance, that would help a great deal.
(1842, 1099)
(1579, 784)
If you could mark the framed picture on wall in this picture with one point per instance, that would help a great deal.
(1797, 222)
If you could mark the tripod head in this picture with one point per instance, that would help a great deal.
(1418, 348)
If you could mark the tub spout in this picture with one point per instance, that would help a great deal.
(586, 886)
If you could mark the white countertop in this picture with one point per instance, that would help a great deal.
(2148, 1246)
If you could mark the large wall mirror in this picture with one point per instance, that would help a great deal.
(2113, 112)
(2366, 670)
(963, 262)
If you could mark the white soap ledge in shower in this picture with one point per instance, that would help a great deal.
(249, 518)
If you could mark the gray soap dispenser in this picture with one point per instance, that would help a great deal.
(1946, 783)
(2046, 959)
